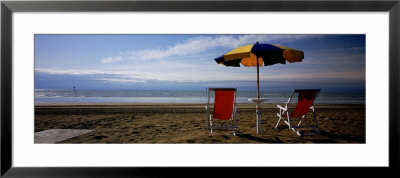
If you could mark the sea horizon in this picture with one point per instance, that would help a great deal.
(182, 96)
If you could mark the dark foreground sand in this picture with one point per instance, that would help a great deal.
(185, 123)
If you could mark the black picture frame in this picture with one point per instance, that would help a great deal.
(8, 7)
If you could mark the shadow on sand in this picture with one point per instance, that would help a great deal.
(258, 139)
(334, 138)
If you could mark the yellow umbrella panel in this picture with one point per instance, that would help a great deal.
(257, 54)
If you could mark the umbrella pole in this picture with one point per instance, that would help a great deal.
(258, 79)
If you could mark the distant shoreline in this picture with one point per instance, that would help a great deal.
(188, 97)
(177, 105)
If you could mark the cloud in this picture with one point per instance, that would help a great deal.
(111, 59)
(85, 71)
(160, 71)
(317, 76)
(121, 82)
(71, 72)
(200, 44)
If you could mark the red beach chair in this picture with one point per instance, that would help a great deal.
(305, 103)
(224, 108)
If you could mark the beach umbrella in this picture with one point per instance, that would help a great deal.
(256, 54)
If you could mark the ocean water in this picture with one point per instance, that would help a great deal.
(150, 96)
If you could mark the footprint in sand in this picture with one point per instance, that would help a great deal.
(99, 137)
(226, 137)
(189, 141)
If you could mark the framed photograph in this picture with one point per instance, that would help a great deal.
(137, 88)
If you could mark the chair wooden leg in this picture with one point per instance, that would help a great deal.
(236, 121)
(207, 121)
(315, 117)
(211, 126)
(280, 118)
(314, 127)
(299, 122)
(288, 121)
(297, 132)
(233, 128)
(293, 128)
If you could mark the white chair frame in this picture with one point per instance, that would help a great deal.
(285, 110)
(209, 116)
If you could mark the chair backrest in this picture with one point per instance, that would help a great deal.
(224, 101)
(305, 100)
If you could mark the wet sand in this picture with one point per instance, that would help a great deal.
(185, 123)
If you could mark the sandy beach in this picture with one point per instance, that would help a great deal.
(185, 123)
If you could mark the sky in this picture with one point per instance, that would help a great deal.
(186, 62)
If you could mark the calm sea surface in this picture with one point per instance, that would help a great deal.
(148, 96)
